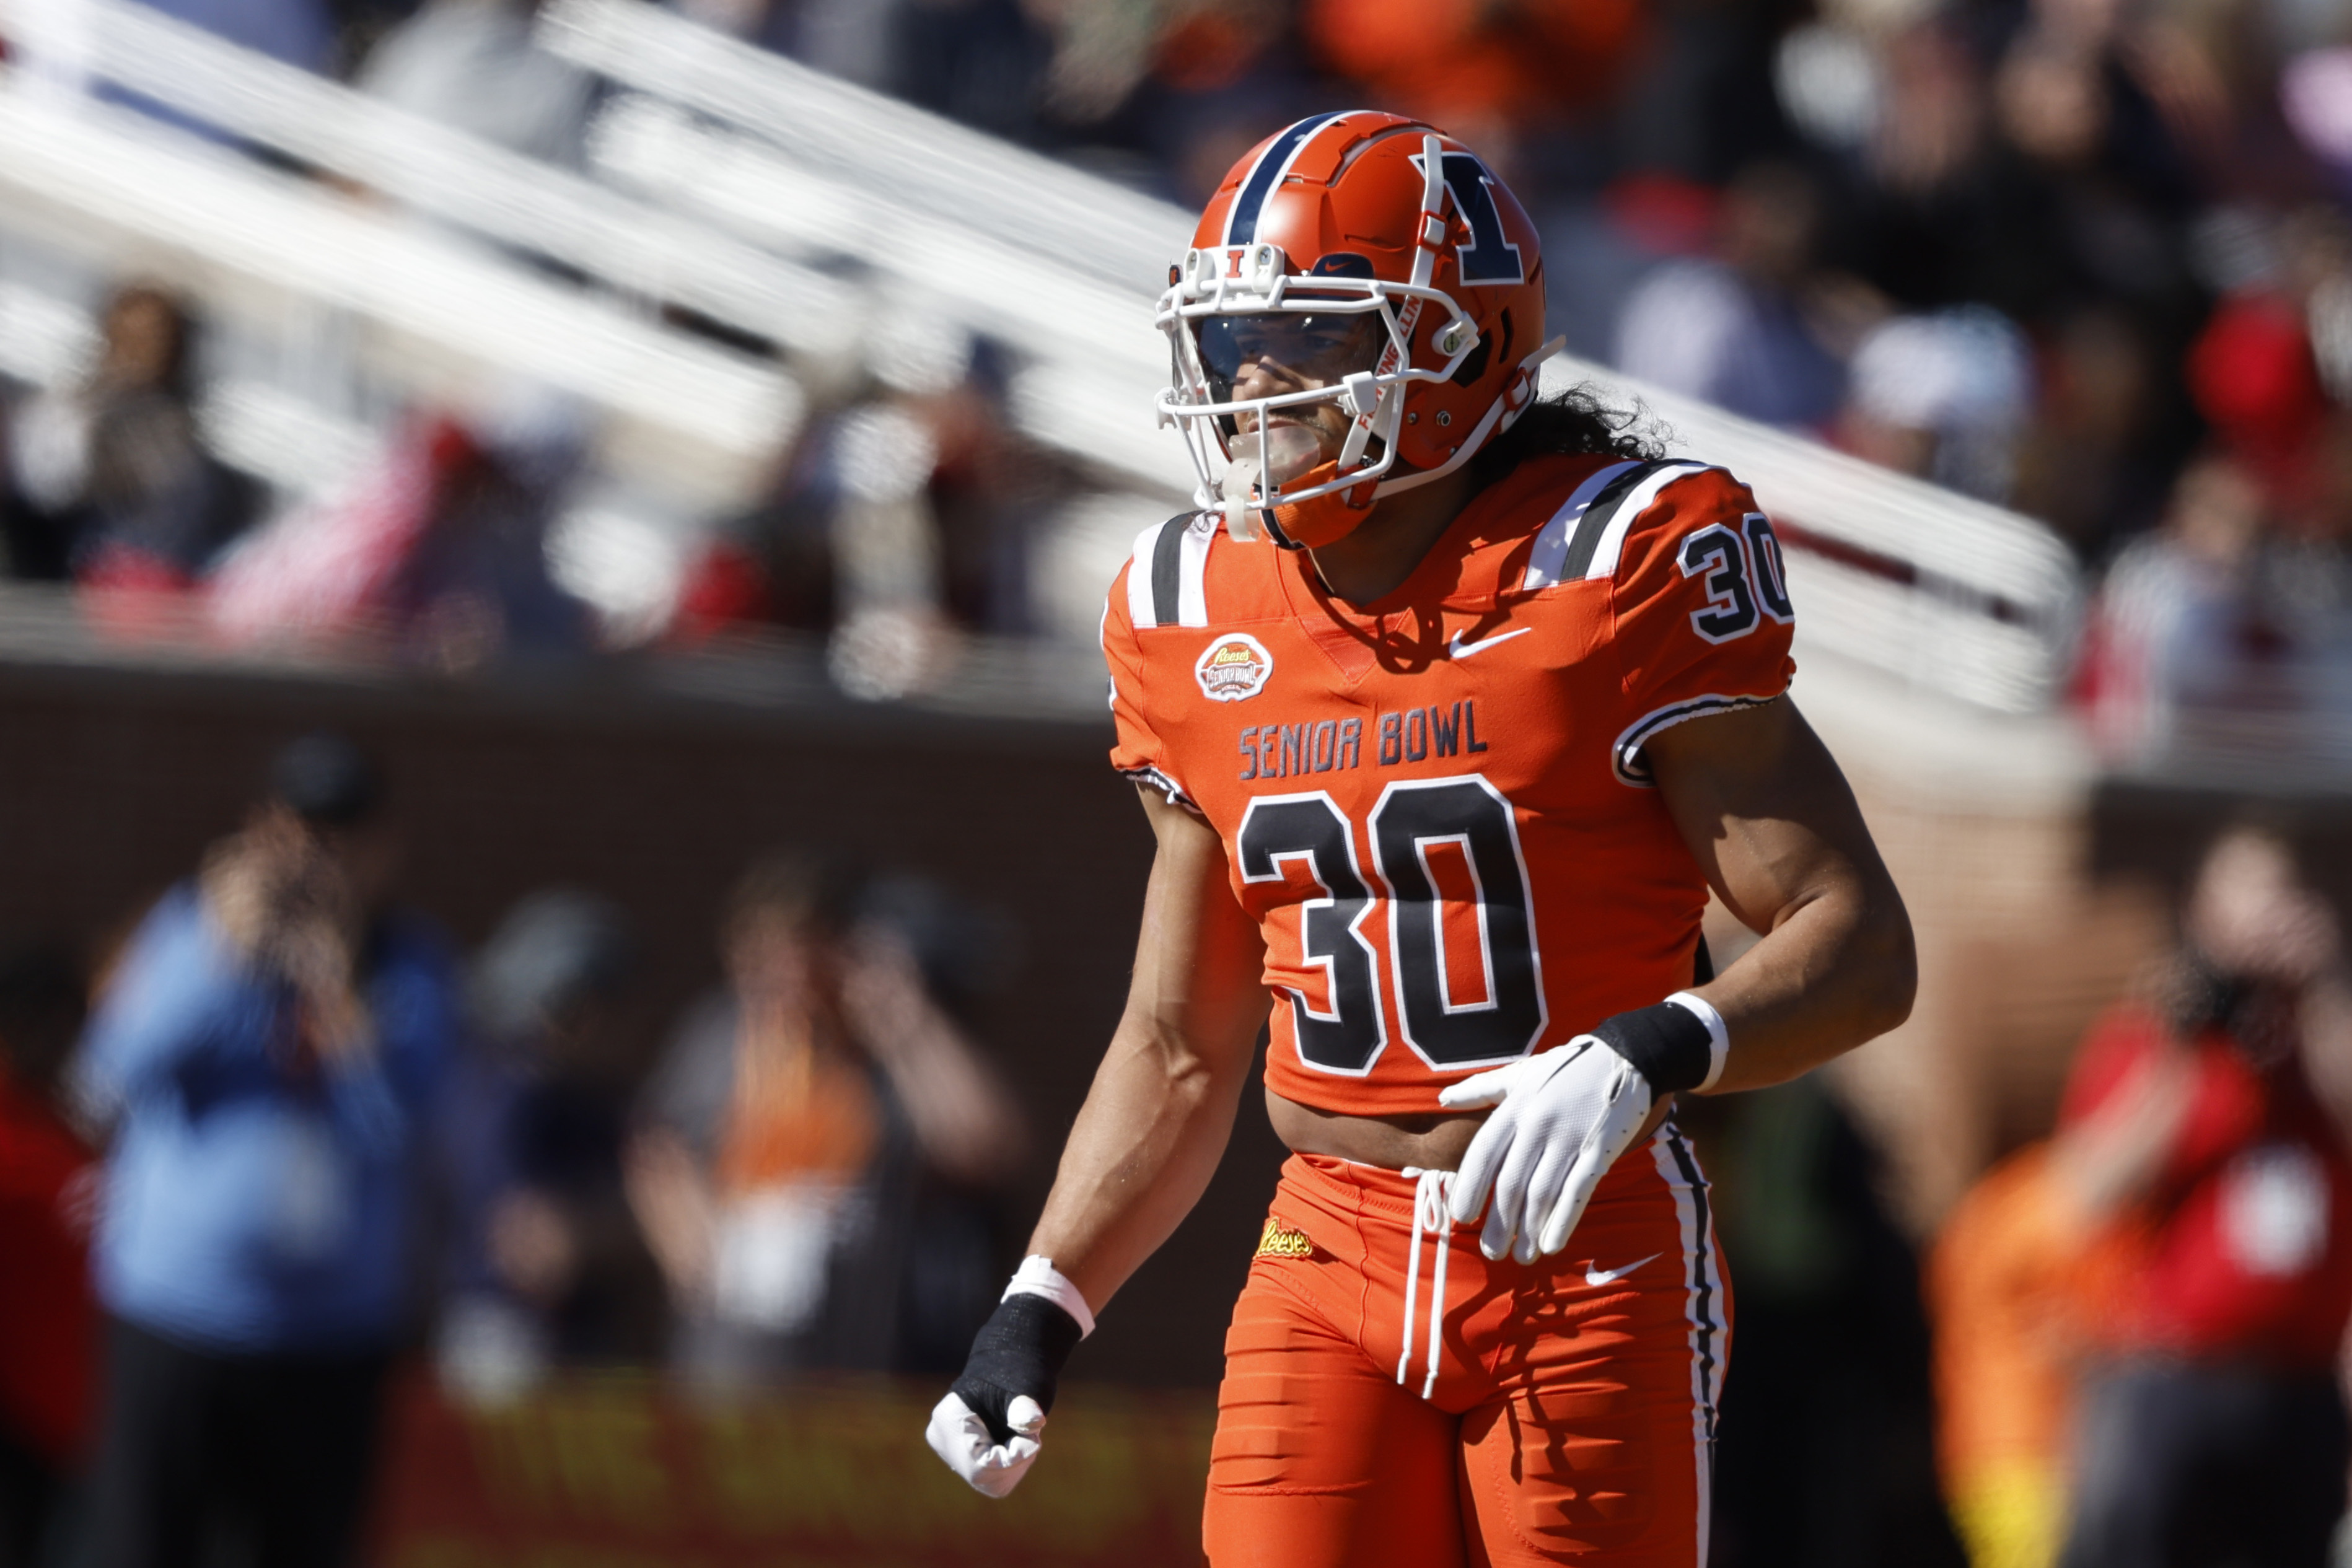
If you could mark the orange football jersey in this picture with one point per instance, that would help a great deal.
(1437, 807)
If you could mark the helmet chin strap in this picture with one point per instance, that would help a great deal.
(1241, 513)
(1501, 414)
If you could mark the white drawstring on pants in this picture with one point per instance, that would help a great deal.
(1432, 1195)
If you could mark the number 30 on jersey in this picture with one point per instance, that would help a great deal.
(1415, 825)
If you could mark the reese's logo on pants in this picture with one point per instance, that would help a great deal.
(1279, 1240)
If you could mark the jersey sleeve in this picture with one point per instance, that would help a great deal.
(1135, 752)
(1700, 617)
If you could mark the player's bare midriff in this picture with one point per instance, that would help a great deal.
(1432, 1142)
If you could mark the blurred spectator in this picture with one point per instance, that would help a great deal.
(1825, 1454)
(1946, 396)
(1697, 96)
(2003, 1291)
(982, 62)
(898, 519)
(48, 1320)
(1490, 73)
(122, 489)
(1220, 75)
(2091, 463)
(2036, 186)
(780, 1141)
(2212, 1430)
(2175, 621)
(266, 1052)
(1937, 222)
(440, 549)
(929, 963)
(543, 1267)
(25, 533)
(299, 32)
(2094, 150)
(470, 64)
(2256, 371)
(1756, 329)
(772, 566)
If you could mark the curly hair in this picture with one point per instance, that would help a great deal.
(1573, 423)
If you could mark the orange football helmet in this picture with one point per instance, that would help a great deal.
(1381, 255)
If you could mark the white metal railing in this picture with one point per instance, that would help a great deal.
(890, 152)
(1950, 592)
(449, 174)
(1060, 264)
(705, 186)
(1087, 345)
(113, 181)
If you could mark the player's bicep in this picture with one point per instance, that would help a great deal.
(1766, 812)
(1199, 958)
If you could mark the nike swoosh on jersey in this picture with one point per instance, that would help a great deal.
(1458, 649)
(1597, 1278)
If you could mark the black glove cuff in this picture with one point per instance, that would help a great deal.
(1021, 1349)
(1667, 1044)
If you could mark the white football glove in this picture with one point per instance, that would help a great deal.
(960, 1437)
(987, 1427)
(1562, 1118)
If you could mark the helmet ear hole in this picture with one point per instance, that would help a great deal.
(1476, 365)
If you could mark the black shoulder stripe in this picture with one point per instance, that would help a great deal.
(1595, 521)
(1166, 563)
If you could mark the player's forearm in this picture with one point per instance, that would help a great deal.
(1156, 1121)
(1838, 970)
(1146, 1143)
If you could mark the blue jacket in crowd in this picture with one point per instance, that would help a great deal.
(257, 1202)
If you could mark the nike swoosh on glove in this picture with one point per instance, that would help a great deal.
(988, 1426)
(1560, 1121)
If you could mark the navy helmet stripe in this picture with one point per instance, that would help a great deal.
(1240, 221)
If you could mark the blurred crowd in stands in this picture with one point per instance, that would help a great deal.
(282, 1132)
(2088, 258)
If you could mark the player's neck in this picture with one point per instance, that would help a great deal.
(1371, 561)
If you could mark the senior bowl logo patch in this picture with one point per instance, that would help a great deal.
(1233, 667)
(1279, 1240)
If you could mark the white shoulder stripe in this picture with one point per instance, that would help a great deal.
(1192, 567)
(1551, 543)
(1139, 580)
(1167, 575)
(1639, 499)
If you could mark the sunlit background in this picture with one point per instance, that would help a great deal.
(684, 450)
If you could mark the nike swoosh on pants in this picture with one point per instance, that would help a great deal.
(1597, 1278)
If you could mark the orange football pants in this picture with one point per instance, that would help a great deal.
(1571, 1418)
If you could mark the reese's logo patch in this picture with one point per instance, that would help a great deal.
(1279, 1240)
(1233, 667)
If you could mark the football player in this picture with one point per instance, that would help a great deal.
(1447, 710)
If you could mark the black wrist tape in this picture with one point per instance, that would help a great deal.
(1021, 1349)
(1668, 1044)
